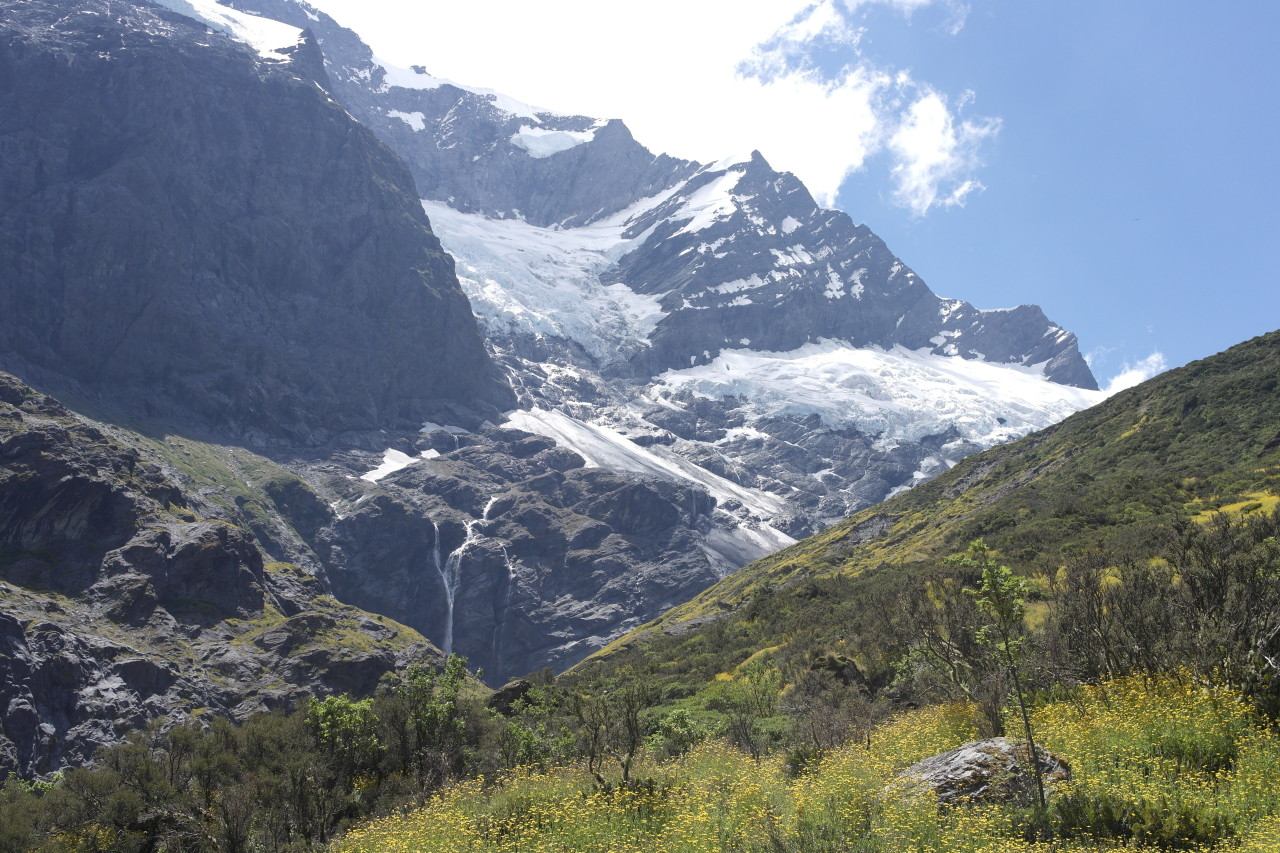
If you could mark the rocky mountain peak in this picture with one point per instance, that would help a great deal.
(202, 232)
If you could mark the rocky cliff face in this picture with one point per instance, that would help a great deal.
(507, 549)
(193, 229)
(132, 587)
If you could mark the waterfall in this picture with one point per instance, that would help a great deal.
(448, 590)
(500, 622)
(450, 570)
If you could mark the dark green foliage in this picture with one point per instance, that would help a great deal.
(1211, 602)
(430, 730)
(533, 733)
(278, 782)
(613, 724)
(1145, 823)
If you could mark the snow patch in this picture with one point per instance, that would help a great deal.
(754, 282)
(541, 142)
(709, 204)
(264, 35)
(430, 427)
(417, 78)
(729, 549)
(603, 447)
(394, 460)
(415, 120)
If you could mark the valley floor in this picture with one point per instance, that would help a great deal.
(1157, 764)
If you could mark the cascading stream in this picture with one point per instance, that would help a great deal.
(450, 569)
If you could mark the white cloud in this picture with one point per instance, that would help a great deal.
(793, 48)
(702, 80)
(935, 154)
(1098, 353)
(1134, 374)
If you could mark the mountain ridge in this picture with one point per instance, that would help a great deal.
(1110, 480)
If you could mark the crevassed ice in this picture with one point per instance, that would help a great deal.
(897, 394)
(522, 279)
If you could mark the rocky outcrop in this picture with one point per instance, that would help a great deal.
(996, 770)
(510, 551)
(124, 596)
(192, 230)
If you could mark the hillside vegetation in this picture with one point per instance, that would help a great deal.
(1163, 763)
(1121, 518)
(1109, 588)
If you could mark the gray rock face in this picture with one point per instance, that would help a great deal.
(191, 229)
(509, 551)
(124, 597)
(996, 770)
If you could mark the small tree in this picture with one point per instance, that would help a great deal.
(611, 724)
(346, 731)
(426, 723)
(746, 701)
(1002, 599)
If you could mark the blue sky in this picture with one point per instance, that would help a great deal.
(1113, 162)
(1132, 189)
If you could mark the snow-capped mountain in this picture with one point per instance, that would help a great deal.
(703, 363)
(603, 274)
(707, 325)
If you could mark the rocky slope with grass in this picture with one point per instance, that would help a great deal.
(149, 577)
(1138, 523)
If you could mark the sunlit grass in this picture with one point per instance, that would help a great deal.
(1168, 764)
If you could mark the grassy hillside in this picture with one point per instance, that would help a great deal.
(1155, 765)
(1118, 483)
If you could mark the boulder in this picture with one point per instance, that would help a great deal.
(996, 770)
(504, 699)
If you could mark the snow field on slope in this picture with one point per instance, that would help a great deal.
(262, 34)
(523, 279)
(727, 549)
(898, 394)
(541, 142)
